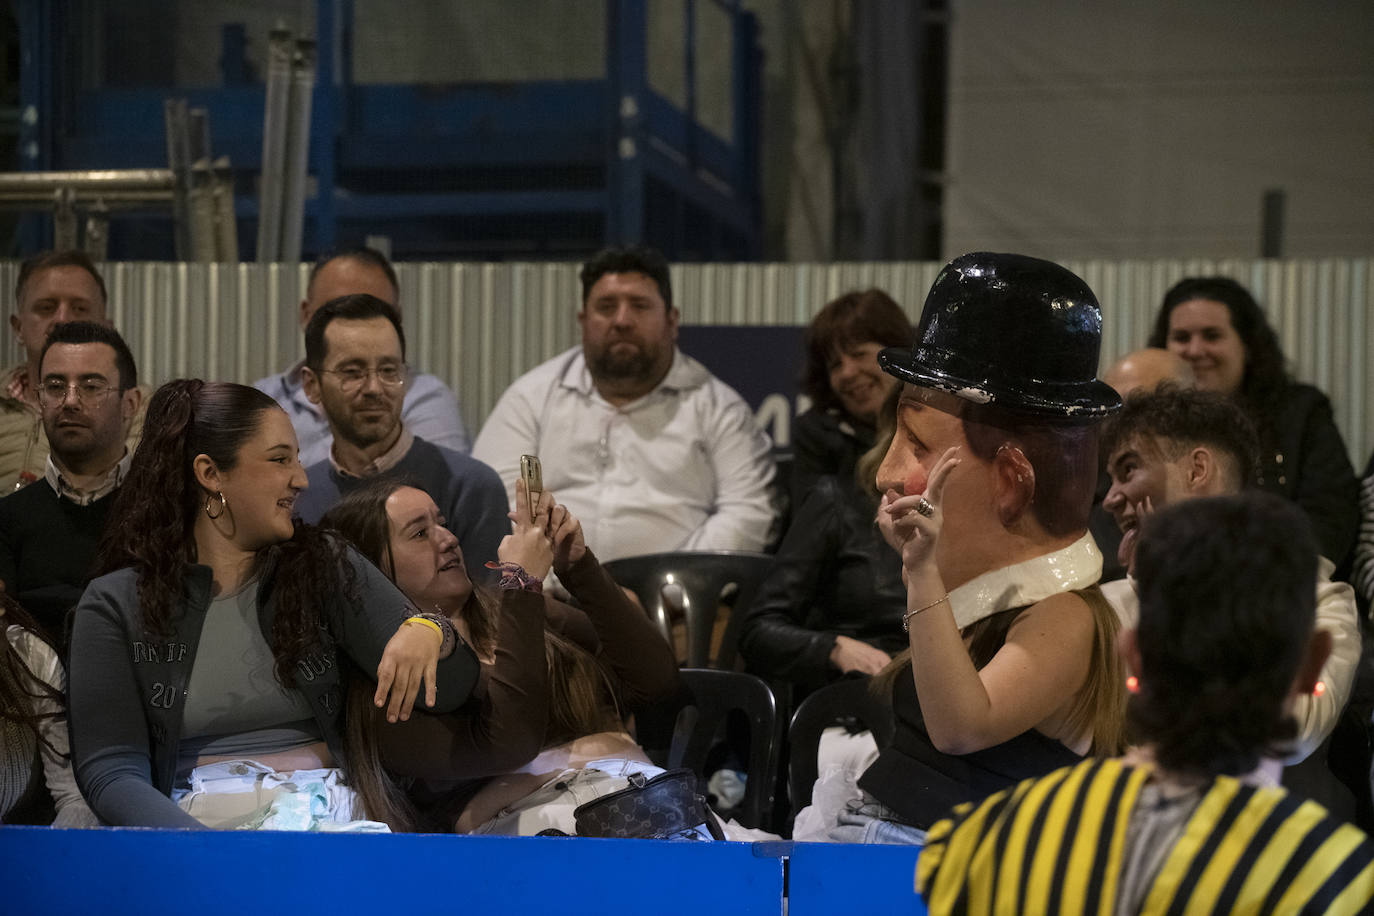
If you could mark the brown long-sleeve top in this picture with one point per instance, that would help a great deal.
(502, 726)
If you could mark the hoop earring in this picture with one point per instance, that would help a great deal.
(223, 505)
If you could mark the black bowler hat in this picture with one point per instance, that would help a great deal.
(1012, 333)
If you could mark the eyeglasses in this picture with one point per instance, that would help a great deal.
(52, 392)
(352, 378)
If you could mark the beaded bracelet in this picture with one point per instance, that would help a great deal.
(906, 626)
(441, 625)
(513, 575)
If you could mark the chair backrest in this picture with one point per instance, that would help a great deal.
(844, 702)
(702, 575)
(710, 696)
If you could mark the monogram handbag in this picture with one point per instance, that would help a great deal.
(664, 807)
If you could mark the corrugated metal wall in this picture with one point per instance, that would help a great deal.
(479, 326)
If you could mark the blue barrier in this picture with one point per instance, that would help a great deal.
(152, 872)
(828, 878)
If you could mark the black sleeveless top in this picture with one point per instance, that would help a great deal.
(921, 784)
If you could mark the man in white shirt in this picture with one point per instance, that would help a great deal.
(430, 410)
(1174, 444)
(647, 448)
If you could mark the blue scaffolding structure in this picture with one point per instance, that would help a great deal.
(526, 169)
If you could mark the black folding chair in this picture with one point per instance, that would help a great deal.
(697, 721)
(703, 576)
(849, 702)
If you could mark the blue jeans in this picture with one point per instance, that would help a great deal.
(867, 820)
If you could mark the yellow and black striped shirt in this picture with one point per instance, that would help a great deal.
(1055, 845)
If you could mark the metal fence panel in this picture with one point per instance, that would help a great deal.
(479, 326)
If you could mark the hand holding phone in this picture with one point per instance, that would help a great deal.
(533, 474)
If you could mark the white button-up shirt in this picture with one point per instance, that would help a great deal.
(682, 468)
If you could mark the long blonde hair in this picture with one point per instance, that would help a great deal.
(1100, 704)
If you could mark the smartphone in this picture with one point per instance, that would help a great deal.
(533, 474)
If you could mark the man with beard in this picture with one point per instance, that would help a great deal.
(429, 408)
(52, 287)
(355, 371)
(641, 442)
(87, 392)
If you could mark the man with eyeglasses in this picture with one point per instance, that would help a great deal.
(52, 287)
(429, 408)
(355, 372)
(88, 394)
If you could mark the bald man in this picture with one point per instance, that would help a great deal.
(1145, 369)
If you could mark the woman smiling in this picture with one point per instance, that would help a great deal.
(208, 663)
(1218, 327)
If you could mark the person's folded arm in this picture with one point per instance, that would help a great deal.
(1317, 714)
(368, 621)
(501, 727)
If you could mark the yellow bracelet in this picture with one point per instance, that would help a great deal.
(429, 623)
(906, 627)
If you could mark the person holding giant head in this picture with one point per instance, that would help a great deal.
(1011, 668)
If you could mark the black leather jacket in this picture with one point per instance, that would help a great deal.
(825, 442)
(1306, 461)
(833, 575)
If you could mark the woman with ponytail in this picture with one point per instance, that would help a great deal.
(558, 682)
(210, 660)
(1193, 819)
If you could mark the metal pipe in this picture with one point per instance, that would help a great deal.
(97, 241)
(202, 211)
(177, 129)
(226, 223)
(87, 181)
(297, 151)
(64, 219)
(279, 49)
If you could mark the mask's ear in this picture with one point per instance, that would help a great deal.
(1015, 482)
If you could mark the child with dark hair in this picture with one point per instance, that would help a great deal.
(1192, 818)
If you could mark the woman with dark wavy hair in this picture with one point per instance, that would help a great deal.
(558, 682)
(845, 385)
(1218, 327)
(36, 781)
(210, 660)
(1193, 819)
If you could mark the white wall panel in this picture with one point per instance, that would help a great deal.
(479, 326)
